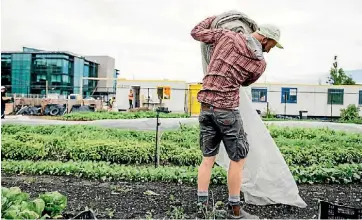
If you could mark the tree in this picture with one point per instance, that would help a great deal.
(338, 76)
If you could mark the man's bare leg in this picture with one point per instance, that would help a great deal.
(234, 180)
(234, 185)
(203, 180)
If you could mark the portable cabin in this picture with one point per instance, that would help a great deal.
(292, 99)
(151, 94)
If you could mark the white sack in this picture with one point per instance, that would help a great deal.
(266, 177)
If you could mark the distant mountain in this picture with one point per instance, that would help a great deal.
(310, 79)
(305, 79)
(355, 74)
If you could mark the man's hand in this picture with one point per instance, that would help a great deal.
(7, 99)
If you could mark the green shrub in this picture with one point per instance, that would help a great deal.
(350, 113)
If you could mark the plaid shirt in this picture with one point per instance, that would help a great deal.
(232, 64)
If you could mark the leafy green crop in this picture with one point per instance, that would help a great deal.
(74, 132)
(343, 173)
(302, 147)
(15, 204)
(312, 150)
(12, 196)
(55, 202)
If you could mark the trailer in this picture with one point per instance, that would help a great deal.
(294, 100)
(151, 94)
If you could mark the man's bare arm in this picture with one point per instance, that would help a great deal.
(203, 33)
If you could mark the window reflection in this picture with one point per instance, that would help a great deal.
(30, 72)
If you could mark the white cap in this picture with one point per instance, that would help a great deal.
(270, 31)
(3, 87)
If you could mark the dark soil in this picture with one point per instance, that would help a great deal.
(123, 200)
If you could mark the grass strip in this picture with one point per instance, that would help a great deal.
(101, 115)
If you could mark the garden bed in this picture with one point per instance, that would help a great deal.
(110, 169)
(122, 200)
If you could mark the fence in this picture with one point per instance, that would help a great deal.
(315, 101)
(62, 90)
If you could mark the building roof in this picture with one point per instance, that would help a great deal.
(44, 51)
(149, 80)
(48, 52)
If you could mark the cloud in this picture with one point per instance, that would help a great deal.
(151, 39)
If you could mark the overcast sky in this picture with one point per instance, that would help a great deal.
(150, 39)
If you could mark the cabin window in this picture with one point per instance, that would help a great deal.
(335, 96)
(289, 95)
(259, 94)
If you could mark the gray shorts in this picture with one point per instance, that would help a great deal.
(223, 125)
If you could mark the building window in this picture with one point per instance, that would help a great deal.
(56, 78)
(259, 94)
(6, 70)
(21, 73)
(289, 95)
(163, 92)
(40, 78)
(335, 96)
(360, 98)
(65, 79)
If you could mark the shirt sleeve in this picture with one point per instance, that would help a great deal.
(251, 80)
(203, 33)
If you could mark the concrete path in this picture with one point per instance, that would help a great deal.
(319, 124)
(132, 124)
(170, 123)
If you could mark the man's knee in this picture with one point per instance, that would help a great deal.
(208, 161)
(237, 163)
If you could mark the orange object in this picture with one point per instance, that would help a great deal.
(167, 92)
(130, 96)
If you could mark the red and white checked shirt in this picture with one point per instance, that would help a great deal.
(232, 64)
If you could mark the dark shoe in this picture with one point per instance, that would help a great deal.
(236, 212)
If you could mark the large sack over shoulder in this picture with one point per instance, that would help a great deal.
(266, 176)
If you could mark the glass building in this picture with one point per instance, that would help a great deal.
(115, 75)
(33, 71)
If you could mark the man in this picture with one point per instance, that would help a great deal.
(237, 60)
(130, 99)
(111, 102)
(3, 101)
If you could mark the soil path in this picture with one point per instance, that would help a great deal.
(124, 200)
